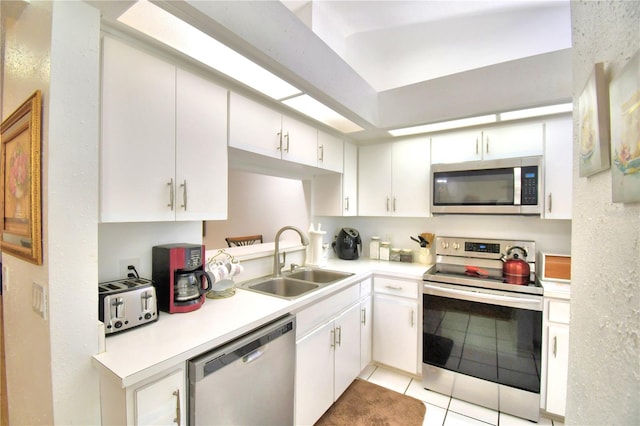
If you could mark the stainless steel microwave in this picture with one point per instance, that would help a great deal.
(505, 186)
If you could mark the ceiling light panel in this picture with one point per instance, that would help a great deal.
(536, 112)
(318, 111)
(444, 125)
(166, 28)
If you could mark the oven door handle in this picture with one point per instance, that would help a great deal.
(477, 296)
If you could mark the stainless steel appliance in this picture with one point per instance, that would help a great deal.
(257, 369)
(482, 336)
(348, 244)
(506, 186)
(127, 303)
(179, 277)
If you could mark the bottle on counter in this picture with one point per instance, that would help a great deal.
(374, 248)
(385, 250)
(406, 255)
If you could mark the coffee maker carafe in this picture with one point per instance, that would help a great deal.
(179, 277)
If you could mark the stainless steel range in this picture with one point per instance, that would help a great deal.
(482, 337)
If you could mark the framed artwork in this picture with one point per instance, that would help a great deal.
(20, 197)
(625, 133)
(593, 110)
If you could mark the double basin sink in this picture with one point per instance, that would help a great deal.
(295, 284)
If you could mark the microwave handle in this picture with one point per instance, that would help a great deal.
(517, 186)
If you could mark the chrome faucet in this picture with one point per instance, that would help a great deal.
(277, 265)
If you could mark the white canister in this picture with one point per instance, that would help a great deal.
(385, 250)
(374, 248)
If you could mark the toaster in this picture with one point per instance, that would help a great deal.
(126, 303)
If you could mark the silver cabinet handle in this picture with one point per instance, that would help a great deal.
(388, 203)
(321, 152)
(171, 194)
(333, 338)
(477, 146)
(176, 393)
(183, 185)
(555, 346)
(412, 320)
(487, 146)
(279, 148)
(339, 336)
(392, 287)
(394, 204)
(346, 203)
(287, 138)
(364, 316)
(550, 202)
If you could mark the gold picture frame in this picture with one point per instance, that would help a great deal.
(20, 193)
(593, 118)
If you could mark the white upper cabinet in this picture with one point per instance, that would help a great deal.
(163, 140)
(515, 140)
(393, 179)
(558, 169)
(330, 152)
(256, 128)
(336, 194)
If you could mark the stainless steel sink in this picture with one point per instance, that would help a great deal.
(296, 283)
(320, 276)
(283, 287)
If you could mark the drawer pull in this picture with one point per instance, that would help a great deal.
(364, 316)
(176, 393)
(555, 346)
(393, 287)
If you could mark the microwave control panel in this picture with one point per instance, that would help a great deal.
(529, 186)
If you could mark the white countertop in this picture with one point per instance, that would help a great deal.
(556, 289)
(142, 352)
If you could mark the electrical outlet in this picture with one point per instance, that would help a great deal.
(124, 266)
(39, 299)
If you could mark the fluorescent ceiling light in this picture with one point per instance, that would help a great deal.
(314, 109)
(444, 125)
(536, 112)
(166, 28)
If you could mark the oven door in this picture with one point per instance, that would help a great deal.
(483, 346)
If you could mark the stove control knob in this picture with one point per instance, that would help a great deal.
(118, 324)
(445, 245)
(456, 246)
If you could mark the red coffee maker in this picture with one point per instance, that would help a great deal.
(179, 277)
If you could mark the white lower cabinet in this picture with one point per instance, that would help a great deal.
(557, 355)
(160, 400)
(328, 356)
(395, 323)
(366, 323)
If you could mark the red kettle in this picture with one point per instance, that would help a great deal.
(515, 270)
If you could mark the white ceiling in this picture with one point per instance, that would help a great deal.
(391, 44)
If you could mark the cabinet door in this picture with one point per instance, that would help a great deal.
(366, 332)
(558, 146)
(374, 180)
(395, 332)
(456, 147)
(162, 402)
(347, 349)
(557, 367)
(519, 140)
(254, 127)
(330, 152)
(201, 149)
(350, 181)
(410, 178)
(314, 375)
(300, 142)
(137, 150)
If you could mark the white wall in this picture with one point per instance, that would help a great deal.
(604, 347)
(261, 204)
(54, 47)
(552, 236)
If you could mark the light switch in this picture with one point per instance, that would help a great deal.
(39, 299)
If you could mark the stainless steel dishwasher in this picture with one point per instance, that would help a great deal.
(248, 381)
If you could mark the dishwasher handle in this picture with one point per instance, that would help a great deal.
(246, 348)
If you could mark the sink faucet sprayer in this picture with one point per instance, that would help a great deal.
(277, 265)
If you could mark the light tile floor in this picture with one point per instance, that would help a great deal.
(443, 410)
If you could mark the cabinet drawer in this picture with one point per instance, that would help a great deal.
(559, 312)
(311, 317)
(396, 287)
